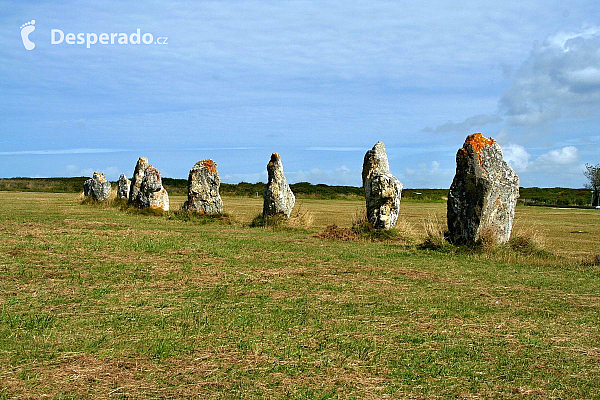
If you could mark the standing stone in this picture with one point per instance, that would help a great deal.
(97, 187)
(483, 195)
(146, 189)
(203, 189)
(382, 189)
(138, 176)
(123, 188)
(152, 194)
(87, 187)
(278, 197)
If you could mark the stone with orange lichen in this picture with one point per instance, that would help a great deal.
(138, 177)
(152, 193)
(383, 190)
(97, 187)
(278, 198)
(203, 189)
(146, 190)
(483, 195)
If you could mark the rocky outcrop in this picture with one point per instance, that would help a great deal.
(278, 197)
(203, 189)
(123, 187)
(97, 187)
(382, 189)
(483, 195)
(146, 190)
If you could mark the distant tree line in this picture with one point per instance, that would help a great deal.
(534, 195)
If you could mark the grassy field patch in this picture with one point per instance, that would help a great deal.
(98, 302)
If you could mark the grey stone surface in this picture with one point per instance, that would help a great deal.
(97, 187)
(152, 194)
(278, 197)
(87, 187)
(483, 195)
(138, 177)
(123, 187)
(146, 189)
(383, 190)
(203, 189)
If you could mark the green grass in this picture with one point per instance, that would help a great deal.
(99, 302)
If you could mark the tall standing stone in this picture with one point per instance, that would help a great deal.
(382, 189)
(483, 195)
(278, 197)
(123, 187)
(138, 176)
(97, 187)
(203, 189)
(152, 193)
(147, 190)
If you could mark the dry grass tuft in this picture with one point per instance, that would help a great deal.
(112, 196)
(360, 223)
(487, 242)
(527, 239)
(300, 218)
(403, 231)
(261, 221)
(435, 233)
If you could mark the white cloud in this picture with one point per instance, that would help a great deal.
(476, 121)
(558, 158)
(516, 156)
(561, 77)
(557, 161)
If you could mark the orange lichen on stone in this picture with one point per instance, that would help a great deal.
(274, 157)
(209, 165)
(477, 141)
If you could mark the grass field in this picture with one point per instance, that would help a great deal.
(96, 302)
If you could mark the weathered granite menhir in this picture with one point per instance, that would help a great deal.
(97, 187)
(483, 195)
(382, 189)
(123, 187)
(203, 189)
(278, 197)
(146, 189)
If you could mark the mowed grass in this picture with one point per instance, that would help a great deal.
(96, 302)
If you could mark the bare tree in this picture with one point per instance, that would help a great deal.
(592, 173)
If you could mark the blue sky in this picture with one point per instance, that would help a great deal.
(317, 81)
